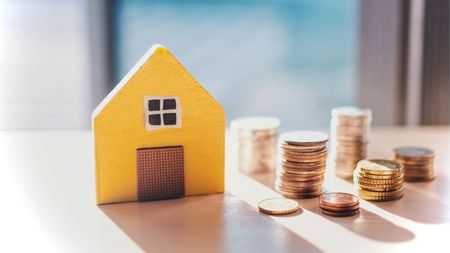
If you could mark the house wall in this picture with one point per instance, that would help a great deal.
(119, 130)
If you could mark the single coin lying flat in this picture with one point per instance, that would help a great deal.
(278, 206)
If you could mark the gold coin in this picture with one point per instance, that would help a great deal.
(374, 176)
(380, 194)
(380, 188)
(383, 198)
(362, 180)
(380, 167)
(278, 206)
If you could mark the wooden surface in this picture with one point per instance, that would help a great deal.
(48, 202)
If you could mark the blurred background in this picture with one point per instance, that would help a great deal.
(293, 59)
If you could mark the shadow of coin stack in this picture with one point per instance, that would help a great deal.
(417, 163)
(379, 180)
(256, 143)
(302, 162)
(350, 130)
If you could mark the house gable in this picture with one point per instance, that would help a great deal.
(120, 128)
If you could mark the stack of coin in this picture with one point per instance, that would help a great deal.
(350, 130)
(302, 164)
(379, 180)
(339, 204)
(417, 163)
(255, 139)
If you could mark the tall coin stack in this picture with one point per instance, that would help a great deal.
(256, 141)
(417, 163)
(302, 162)
(350, 130)
(379, 180)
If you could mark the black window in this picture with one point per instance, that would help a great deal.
(154, 119)
(169, 104)
(170, 118)
(162, 112)
(154, 105)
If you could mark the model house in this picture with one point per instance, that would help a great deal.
(158, 135)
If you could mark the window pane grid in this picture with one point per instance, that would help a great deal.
(162, 112)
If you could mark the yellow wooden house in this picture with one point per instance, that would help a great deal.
(158, 134)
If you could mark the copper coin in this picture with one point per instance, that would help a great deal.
(418, 173)
(310, 148)
(339, 209)
(418, 167)
(254, 123)
(300, 195)
(338, 199)
(350, 111)
(344, 173)
(299, 159)
(304, 137)
(413, 162)
(297, 165)
(293, 189)
(304, 154)
(420, 179)
(315, 172)
(296, 184)
(339, 214)
(414, 153)
(297, 178)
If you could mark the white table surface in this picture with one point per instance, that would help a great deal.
(48, 204)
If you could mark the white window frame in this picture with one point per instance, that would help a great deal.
(161, 111)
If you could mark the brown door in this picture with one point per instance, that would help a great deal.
(160, 172)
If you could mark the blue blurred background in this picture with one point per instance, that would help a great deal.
(291, 59)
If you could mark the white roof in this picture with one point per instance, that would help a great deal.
(125, 80)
